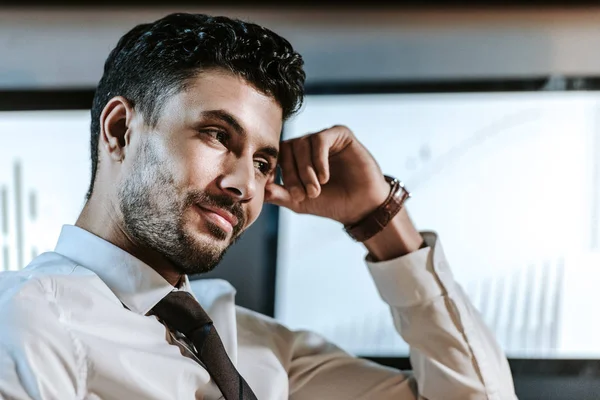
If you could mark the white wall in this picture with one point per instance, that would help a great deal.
(53, 47)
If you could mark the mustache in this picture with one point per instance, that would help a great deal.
(221, 201)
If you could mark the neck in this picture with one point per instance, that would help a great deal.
(106, 223)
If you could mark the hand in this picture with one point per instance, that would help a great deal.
(329, 174)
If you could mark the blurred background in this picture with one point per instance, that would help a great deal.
(490, 114)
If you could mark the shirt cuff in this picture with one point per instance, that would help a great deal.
(415, 278)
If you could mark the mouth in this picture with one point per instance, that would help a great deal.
(220, 217)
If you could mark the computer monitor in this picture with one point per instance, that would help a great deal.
(508, 175)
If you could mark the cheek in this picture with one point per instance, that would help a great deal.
(198, 168)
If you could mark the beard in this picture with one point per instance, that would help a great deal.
(154, 213)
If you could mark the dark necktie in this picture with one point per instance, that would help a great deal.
(180, 311)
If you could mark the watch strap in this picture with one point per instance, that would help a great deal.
(374, 222)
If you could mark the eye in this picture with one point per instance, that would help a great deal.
(219, 135)
(263, 166)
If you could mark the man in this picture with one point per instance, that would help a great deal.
(185, 140)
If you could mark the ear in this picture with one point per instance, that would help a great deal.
(114, 127)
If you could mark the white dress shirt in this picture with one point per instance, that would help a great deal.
(65, 334)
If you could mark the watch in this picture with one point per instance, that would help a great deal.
(374, 222)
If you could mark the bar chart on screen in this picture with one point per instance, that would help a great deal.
(22, 212)
(44, 172)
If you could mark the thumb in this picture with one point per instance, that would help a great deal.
(278, 195)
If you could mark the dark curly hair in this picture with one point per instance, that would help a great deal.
(156, 60)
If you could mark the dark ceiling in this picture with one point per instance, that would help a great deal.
(313, 4)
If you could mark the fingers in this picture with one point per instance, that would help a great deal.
(278, 195)
(326, 143)
(289, 173)
(298, 172)
(304, 161)
(304, 165)
(320, 156)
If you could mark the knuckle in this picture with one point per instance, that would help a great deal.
(341, 129)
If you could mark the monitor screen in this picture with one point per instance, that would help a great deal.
(44, 176)
(510, 183)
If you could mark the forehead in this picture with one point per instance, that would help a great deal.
(258, 114)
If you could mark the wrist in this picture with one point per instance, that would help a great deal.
(378, 219)
(369, 202)
(398, 238)
(387, 231)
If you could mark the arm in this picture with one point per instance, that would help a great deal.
(453, 354)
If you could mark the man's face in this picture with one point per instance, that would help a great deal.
(196, 181)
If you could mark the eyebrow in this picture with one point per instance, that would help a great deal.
(230, 120)
(226, 117)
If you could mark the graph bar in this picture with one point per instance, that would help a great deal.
(6, 258)
(4, 199)
(556, 308)
(32, 205)
(595, 201)
(4, 266)
(18, 185)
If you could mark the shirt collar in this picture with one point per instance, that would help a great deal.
(136, 285)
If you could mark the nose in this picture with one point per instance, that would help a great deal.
(239, 179)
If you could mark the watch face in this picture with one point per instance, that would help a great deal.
(402, 193)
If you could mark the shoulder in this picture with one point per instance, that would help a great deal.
(249, 319)
(217, 295)
(260, 331)
(254, 324)
(35, 281)
(37, 294)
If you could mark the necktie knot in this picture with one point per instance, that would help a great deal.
(179, 310)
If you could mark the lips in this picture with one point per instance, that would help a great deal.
(226, 215)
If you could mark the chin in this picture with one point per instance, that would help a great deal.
(207, 235)
(201, 254)
(209, 244)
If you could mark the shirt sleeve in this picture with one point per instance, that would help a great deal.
(39, 359)
(453, 354)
